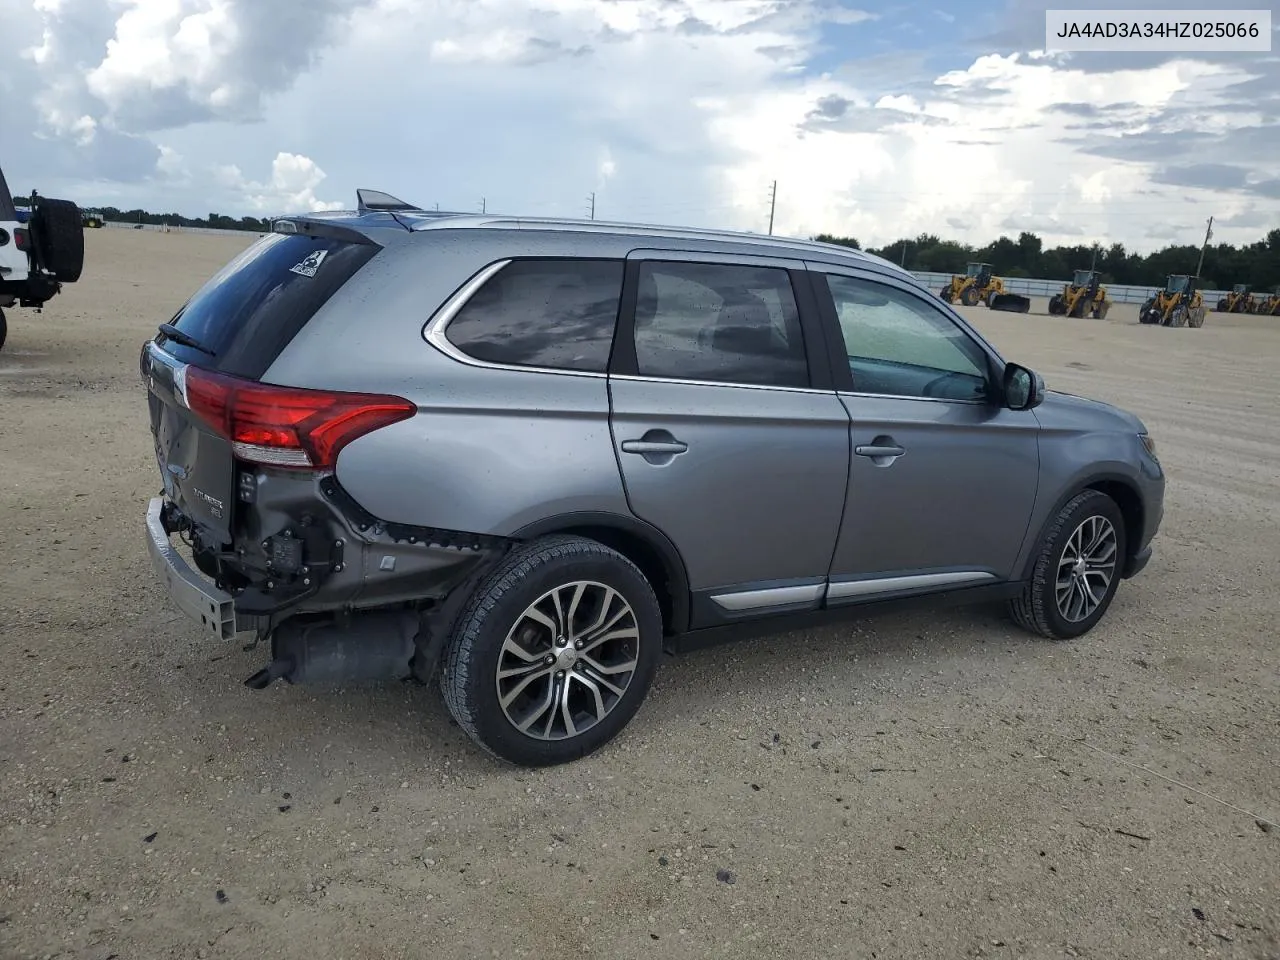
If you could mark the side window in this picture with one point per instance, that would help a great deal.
(901, 346)
(543, 313)
(727, 323)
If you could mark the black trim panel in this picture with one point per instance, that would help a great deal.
(651, 536)
(789, 622)
(1131, 541)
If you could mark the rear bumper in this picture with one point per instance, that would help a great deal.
(212, 609)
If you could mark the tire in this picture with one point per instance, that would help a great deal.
(1196, 318)
(58, 232)
(498, 612)
(1057, 305)
(1179, 317)
(1037, 609)
(970, 297)
(4, 329)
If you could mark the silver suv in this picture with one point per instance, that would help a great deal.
(530, 455)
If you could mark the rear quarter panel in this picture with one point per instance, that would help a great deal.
(489, 450)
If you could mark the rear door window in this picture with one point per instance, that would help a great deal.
(250, 310)
(557, 314)
(726, 323)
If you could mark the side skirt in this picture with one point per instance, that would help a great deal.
(787, 622)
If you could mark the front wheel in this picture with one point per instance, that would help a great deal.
(554, 653)
(1077, 570)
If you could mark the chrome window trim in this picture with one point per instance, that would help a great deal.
(907, 396)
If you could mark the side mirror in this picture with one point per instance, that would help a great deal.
(1023, 388)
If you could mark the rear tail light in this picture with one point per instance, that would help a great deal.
(22, 239)
(287, 426)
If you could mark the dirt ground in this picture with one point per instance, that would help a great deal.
(933, 784)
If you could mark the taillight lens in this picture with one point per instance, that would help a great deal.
(288, 426)
(22, 239)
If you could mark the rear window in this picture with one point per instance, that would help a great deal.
(543, 313)
(250, 310)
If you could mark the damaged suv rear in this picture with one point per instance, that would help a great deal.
(248, 472)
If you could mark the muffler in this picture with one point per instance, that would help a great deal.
(357, 649)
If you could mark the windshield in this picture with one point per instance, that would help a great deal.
(1177, 284)
(1240, 288)
(975, 269)
(1083, 277)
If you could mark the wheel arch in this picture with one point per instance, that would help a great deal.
(643, 544)
(1121, 489)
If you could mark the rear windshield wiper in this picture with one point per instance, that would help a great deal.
(177, 336)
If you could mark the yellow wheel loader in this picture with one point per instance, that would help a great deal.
(93, 219)
(1268, 306)
(977, 285)
(1239, 300)
(1085, 294)
(1179, 304)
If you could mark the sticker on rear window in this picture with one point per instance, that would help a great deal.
(309, 266)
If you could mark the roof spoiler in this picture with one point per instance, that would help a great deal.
(369, 201)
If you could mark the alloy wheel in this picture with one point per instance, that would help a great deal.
(568, 660)
(1086, 569)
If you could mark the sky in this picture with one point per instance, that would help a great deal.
(876, 121)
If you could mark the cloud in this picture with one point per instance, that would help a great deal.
(182, 61)
(680, 111)
(291, 189)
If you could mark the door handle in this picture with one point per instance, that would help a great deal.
(874, 450)
(659, 447)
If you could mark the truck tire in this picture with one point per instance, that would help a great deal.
(4, 329)
(58, 231)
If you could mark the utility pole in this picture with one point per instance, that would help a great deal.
(773, 202)
(482, 210)
(591, 202)
(904, 255)
(1208, 235)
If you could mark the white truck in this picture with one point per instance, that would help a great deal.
(38, 253)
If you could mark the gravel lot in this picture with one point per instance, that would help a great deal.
(915, 785)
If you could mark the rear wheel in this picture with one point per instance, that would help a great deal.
(1196, 317)
(4, 329)
(58, 232)
(554, 653)
(1077, 570)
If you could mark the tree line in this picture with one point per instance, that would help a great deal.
(216, 221)
(1257, 264)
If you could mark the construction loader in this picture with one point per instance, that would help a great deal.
(1239, 300)
(1268, 306)
(1084, 294)
(1179, 304)
(977, 285)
